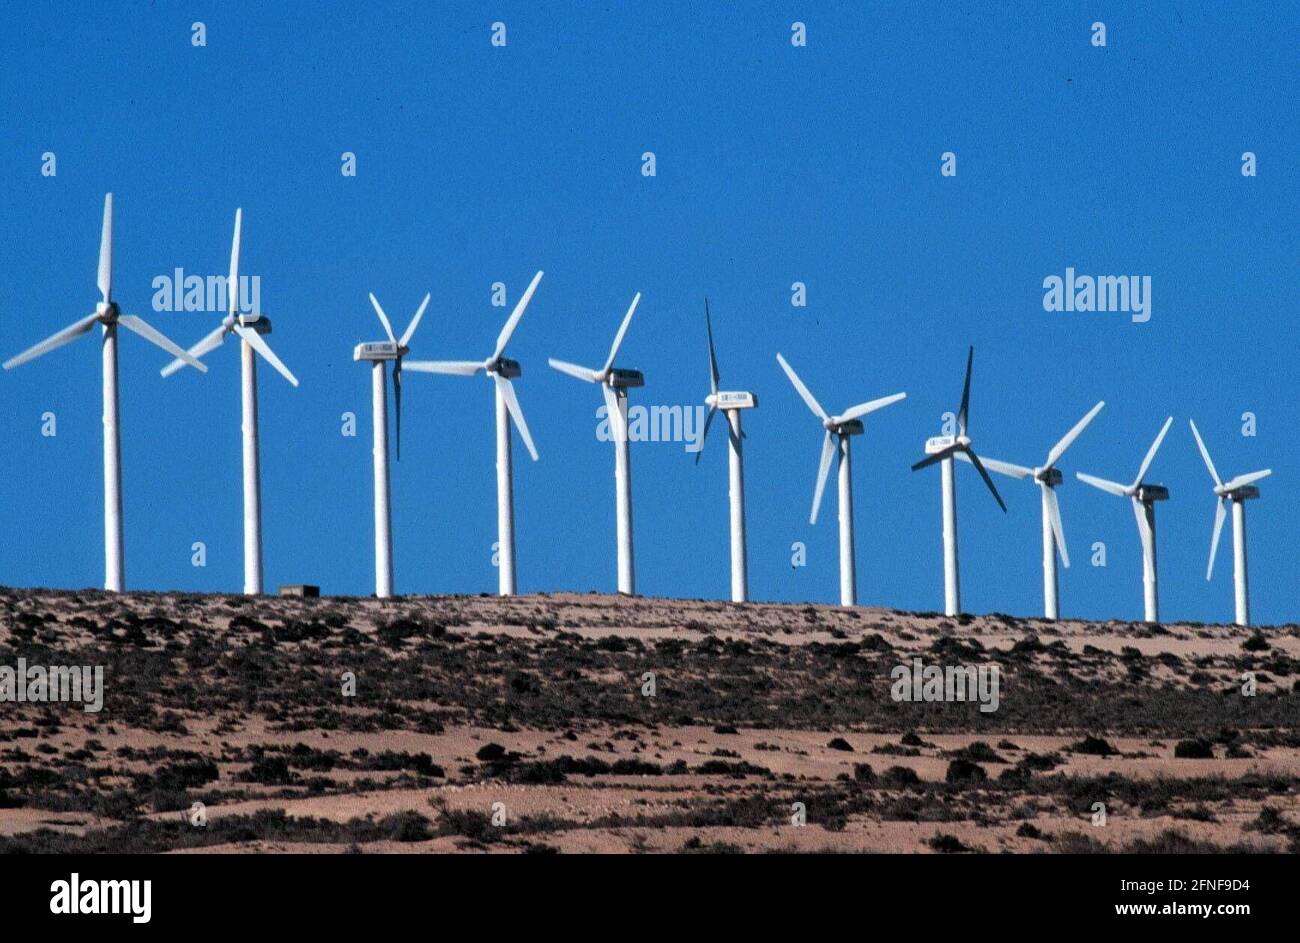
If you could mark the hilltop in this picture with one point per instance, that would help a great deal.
(538, 710)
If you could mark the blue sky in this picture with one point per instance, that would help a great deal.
(775, 164)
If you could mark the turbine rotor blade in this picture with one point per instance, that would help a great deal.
(713, 359)
(1220, 512)
(622, 330)
(964, 412)
(517, 414)
(54, 341)
(1242, 480)
(573, 370)
(1144, 529)
(504, 337)
(808, 398)
(1002, 468)
(1058, 532)
(1110, 487)
(262, 347)
(232, 283)
(415, 322)
(1205, 455)
(612, 412)
(823, 470)
(383, 318)
(208, 343)
(397, 403)
(708, 421)
(979, 466)
(105, 279)
(1151, 452)
(133, 323)
(862, 409)
(935, 458)
(463, 368)
(1059, 448)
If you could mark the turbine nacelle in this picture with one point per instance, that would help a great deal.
(849, 427)
(1148, 493)
(506, 368)
(379, 350)
(620, 379)
(255, 322)
(731, 400)
(107, 311)
(1245, 493)
(1049, 476)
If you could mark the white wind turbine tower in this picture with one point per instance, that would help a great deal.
(614, 384)
(1143, 497)
(730, 403)
(109, 315)
(1048, 476)
(838, 429)
(249, 328)
(502, 371)
(379, 353)
(1239, 490)
(941, 449)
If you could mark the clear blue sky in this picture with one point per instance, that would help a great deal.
(775, 164)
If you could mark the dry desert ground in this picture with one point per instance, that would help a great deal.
(533, 724)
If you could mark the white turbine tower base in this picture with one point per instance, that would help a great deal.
(1143, 497)
(1235, 492)
(383, 511)
(114, 554)
(623, 495)
(614, 384)
(379, 353)
(109, 315)
(250, 329)
(501, 370)
(730, 404)
(736, 505)
(941, 450)
(836, 441)
(951, 568)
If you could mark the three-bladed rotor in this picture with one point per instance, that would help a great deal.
(608, 376)
(248, 327)
(1047, 475)
(106, 311)
(846, 423)
(393, 349)
(960, 445)
(1236, 489)
(497, 366)
(718, 399)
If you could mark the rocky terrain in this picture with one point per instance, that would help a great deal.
(595, 723)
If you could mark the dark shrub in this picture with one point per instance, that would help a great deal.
(963, 771)
(1094, 746)
(1197, 749)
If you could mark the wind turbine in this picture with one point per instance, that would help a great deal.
(614, 384)
(250, 329)
(941, 449)
(731, 403)
(109, 315)
(1144, 497)
(838, 429)
(379, 353)
(1048, 476)
(1239, 490)
(502, 371)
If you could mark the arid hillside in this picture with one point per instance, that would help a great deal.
(597, 723)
